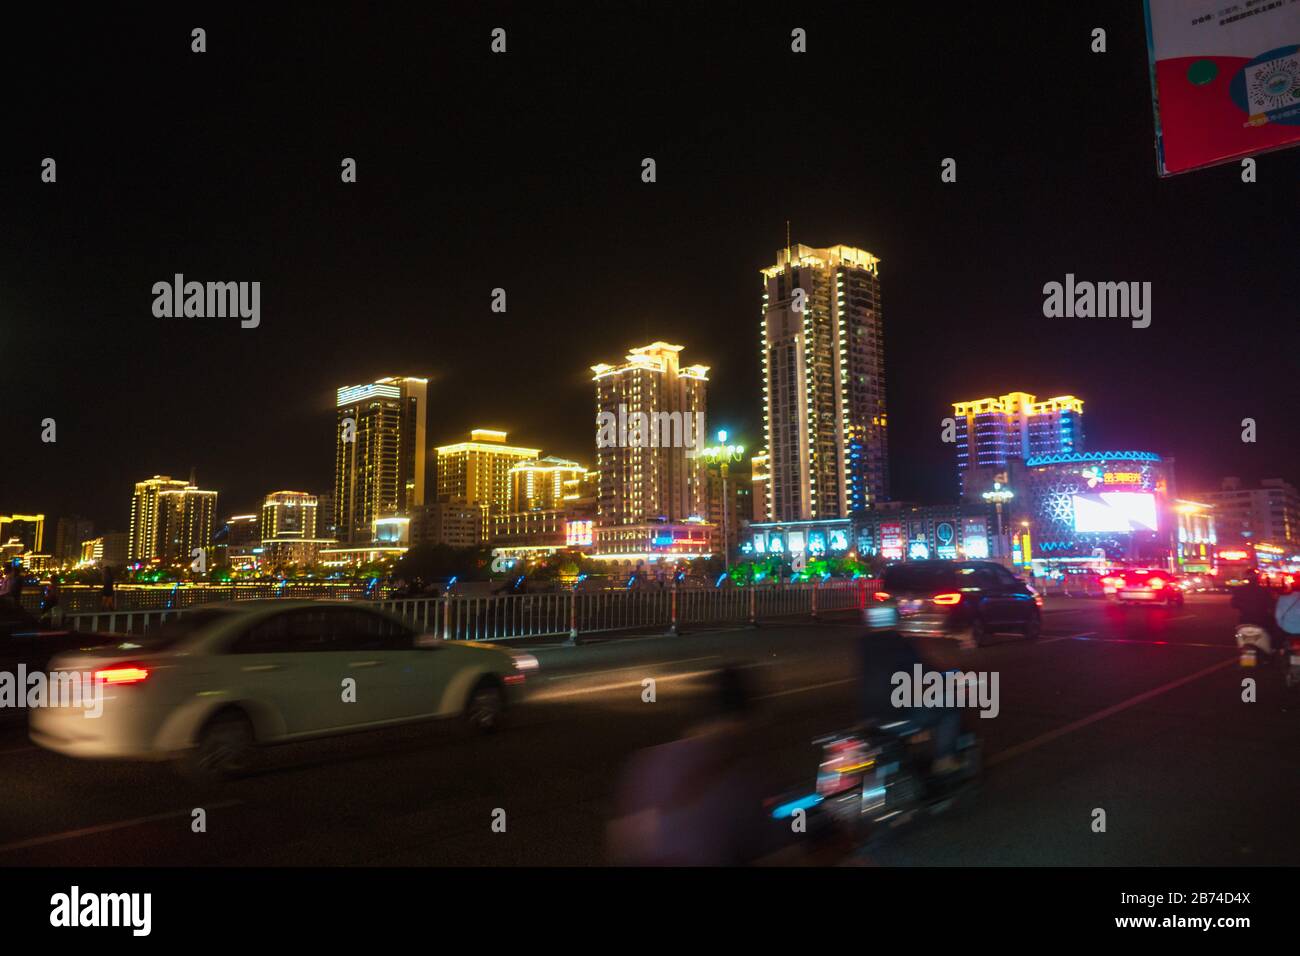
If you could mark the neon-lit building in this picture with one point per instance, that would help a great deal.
(650, 419)
(824, 414)
(994, 432)
(478, 472)
(28, 530)
(170, 518)
(1103, 506)
(379, 453)
(543, 483)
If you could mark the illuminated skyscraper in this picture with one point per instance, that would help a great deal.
(170, 518)
(380, 453)
(543, 483)
(288, 514)
(823, 384)
(993, 432)
(477, 472)
(28, 529)
(650, 417)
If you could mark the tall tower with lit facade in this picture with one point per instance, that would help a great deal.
(650, 417)
(823, 384)
(993, 432)
(170, 518)
(379, 454)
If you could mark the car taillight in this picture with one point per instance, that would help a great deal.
(948, 597)
(882, 595)
(1295, 645)
(122, 674)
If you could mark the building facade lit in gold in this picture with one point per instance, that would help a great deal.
(477, 472)
(170, 520)
(380, 454)
(825, 419)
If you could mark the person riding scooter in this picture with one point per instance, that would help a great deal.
(884, 651)
(1256, 605)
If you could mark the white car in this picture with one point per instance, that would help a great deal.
(218, 681)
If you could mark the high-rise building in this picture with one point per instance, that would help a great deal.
(380, 454)
(70, 531)
(650, 414)
(170, 518)
(824, 416)
(993, 432)
(288, 514)
(1268, 514)
(29, 530)
(543, 483)
(477, 472)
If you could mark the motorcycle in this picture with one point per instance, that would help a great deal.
(1255, 646)
(877, 777)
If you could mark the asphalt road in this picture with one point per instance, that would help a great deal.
(1136, 711)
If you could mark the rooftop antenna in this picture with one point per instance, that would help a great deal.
(787, 240)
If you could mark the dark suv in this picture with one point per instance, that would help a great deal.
(966, 600)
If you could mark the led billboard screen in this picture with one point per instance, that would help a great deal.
(1114, 511)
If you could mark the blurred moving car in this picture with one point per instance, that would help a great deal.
(218, 681)
(966, 600)
(1147, 586)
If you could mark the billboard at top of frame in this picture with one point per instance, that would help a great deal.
(1225, 79)
(1115, 511)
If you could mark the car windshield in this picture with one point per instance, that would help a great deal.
(920, 577)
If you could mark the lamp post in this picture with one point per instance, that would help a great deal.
(998, 495)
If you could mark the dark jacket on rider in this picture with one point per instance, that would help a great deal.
(1256, 606)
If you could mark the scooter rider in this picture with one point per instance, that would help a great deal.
(1256, 605)
(883, 652)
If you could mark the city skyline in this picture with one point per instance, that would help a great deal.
(963, 264)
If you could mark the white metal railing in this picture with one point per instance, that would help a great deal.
(513, 616)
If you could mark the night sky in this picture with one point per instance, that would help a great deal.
(523, 171)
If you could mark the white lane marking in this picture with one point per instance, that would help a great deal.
(801, 690)
(108, 827)
(606, 688)
(1036, 742)
(630, 667)
(1066, 637)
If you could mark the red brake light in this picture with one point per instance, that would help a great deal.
(1295, 645)
(948, 597)
(122, 674)
(882, 595)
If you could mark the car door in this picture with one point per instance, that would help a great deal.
(275, 663)
(993, 604)
(1018, 602)
(416, 677)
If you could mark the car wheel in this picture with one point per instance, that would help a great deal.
(1034, 627)
(485, 705)
(225, 749)
(978, 632)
